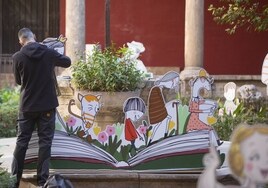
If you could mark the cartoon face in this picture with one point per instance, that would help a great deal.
(91, 107)
(255, 154)
(134, 115)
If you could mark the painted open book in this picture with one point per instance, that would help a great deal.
(173, 137)
(176, 152)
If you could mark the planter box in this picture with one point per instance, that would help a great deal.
(112, 105)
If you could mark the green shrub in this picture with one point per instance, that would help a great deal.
(9, 100)
(109, 70)
(6, 180)
(246, 112)
(9, 96)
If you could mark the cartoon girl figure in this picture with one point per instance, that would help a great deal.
(247, 158)
(134, 108)
(159, 113)
(201, 109)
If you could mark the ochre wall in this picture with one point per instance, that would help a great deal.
(159, 25)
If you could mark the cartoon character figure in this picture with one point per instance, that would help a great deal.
(134, 108)
(160, 111)
(56, 43)
(229, 94)
(247, 158)
(201, 110)
(90, 105)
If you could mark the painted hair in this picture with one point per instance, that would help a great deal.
(167, 77)
(134, 103)
(229, 85)
(244, 131)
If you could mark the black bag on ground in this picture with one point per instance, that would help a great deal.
(57, 181)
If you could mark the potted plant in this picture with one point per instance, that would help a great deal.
(111, 73)
(109, 70)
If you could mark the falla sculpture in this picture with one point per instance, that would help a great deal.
(160, 134)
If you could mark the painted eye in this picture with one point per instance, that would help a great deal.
(89, 107)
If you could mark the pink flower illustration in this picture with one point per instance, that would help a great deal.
(142, 129)
(110, 130)
(71, 121)
(102, 137)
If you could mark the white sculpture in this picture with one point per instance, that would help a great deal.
(135, 49)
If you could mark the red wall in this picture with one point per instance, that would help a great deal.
(241, 53)
(159, 25)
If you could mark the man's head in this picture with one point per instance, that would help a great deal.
(25, 35)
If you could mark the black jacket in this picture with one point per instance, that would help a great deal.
(33, 68)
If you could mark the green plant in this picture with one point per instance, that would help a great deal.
(237, 14)
(9, 100)
(9, 96)
(245, 112)
(6, 180)
(110, 70)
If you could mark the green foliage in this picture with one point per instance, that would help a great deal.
(245, 113)
(111, 147)
(109, 70)
(125, 152)
(113, 144)
(9, 96)
(9, 100)
(184, 114)
(238, 14)
(6, 180)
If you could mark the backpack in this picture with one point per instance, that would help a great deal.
(57, 181)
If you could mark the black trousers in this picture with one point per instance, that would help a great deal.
(45, 123)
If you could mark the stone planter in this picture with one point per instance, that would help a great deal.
(112, 106)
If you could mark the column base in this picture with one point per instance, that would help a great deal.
(189, 72)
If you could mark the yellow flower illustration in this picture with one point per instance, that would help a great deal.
(66, 118)
(96, 129)
(171, 125)
(150, 133)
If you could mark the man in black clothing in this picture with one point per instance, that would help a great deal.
(33, 68)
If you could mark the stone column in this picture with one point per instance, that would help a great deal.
(75, 48)
(194, 37)
(194, 42)
(75, 28)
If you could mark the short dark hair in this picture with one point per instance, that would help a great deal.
(134, 103)
(25, 33)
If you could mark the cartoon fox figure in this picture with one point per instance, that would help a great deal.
(90, 105)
